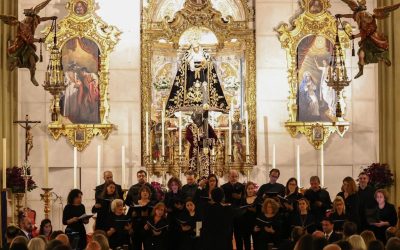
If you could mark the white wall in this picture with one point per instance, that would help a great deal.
(343, 156)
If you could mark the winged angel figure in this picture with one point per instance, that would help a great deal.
(373, 44)
(21, 51)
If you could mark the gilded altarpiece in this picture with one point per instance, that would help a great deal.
(224, 31)
(85, 42)
(309, 42)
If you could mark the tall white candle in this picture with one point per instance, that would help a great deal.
(147, 134)
(273, 156)
(230, 134)
(123, 166)
(46, 163)
(180, 133)
(298, 166)
(75, 167)
(5, 163)
(246, 116)
(98, 164)
(322, 167)
(163, 130)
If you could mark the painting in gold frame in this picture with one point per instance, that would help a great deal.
(230, 42)
(86, 43)
(308, 42)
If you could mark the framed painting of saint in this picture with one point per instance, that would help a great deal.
(83, 106)
(309, 44)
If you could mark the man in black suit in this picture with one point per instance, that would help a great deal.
(272, 188)
(319, 199)
(108, 176)
(190, 188)
(133, 193)
(367, 200)
(327, 228)
(233, 191)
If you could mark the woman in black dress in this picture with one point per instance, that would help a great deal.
(338, 214)
(267, 229)
(203, 194)
(386, 215)
(290, 205)
(71, 218)
(156, 229)
(174, 202)
(103, 205)
(303, 217)
(248, 216)
(140, 213)
(351, 201)
(188, 220)
(119, 226)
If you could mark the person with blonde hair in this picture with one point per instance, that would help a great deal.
(368, 236)
(339, 214)
(351, 200)
(357, 242)
(267, 225)
(156, 228)
(36, 244)
(102, 240)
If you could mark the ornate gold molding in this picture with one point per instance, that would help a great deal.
(310, 21)
(82, 22)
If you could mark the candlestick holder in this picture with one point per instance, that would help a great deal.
(247, 159)
(46, 199)
(147, 159)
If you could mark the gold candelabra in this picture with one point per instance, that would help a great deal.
(46, 199)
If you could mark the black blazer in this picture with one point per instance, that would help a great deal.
(334, 237)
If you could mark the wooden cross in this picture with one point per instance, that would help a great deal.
(28, 134)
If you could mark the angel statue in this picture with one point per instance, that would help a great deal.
(373, 44)
(21, 52)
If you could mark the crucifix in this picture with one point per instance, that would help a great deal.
(26, 124)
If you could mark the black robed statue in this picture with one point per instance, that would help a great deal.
(196, 88)
(196, 85)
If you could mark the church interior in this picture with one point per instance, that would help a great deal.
(240, 91)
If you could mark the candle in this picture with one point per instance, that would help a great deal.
(273, 156)
(298, 165)
(123, 166)
(180, 133)
(147, 134)
(46, 163)
(230, 134)
(246, 117)
(322, 167)
(162, 130)
(75, 167)
(5, 163)
(98, 163)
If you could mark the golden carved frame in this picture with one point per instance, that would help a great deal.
(86, 25)
(171, 29)
(307, 23)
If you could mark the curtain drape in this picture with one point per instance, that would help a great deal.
(389, 100)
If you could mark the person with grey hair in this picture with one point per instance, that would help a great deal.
(119, 226)
(319, 199)
(233, 191)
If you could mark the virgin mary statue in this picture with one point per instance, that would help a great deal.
(196, 86)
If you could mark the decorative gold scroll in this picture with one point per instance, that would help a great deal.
(314, 19)
(82, 22)
(163, 36)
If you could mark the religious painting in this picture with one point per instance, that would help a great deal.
(189, 68)
(80, 102)
(85, 42)
(316, 100)
(309, 43)
(315, 6)
(80, 8)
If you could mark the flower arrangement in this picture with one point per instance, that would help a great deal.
(16, 182)
(159, 190)
(379, 175)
